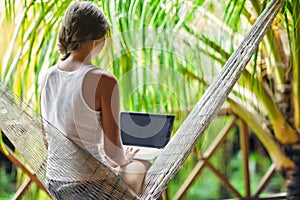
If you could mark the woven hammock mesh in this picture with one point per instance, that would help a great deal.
(23, 127)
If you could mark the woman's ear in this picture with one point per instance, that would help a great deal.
(94, 44)
(98, 46)
(98, 42)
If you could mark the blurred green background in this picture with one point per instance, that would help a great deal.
(165, 54)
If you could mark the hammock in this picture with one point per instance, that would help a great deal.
(22, 125)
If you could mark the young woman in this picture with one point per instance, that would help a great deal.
(82, 101)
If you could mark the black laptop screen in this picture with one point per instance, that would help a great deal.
(145, 129)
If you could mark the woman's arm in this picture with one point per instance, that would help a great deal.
(108, 91)
(42, 80)
(42, 126)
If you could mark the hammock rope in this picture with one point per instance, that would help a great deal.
(23, 127)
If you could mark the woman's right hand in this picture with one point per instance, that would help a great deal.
(130, 153)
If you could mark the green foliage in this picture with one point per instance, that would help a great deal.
(164, 54)
(6, 182)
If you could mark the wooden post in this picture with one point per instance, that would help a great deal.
(244, 142)
(7, 152)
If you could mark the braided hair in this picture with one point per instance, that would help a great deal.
(82, 21)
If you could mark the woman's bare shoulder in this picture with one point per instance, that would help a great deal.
(107, 82)
(103, 76)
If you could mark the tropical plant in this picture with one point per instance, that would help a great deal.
(273, 79)
(165, 53)
(6, 183)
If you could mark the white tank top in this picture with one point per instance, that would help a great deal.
(63, 105)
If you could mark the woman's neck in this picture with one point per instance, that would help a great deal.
(80, 57)
(72, 63)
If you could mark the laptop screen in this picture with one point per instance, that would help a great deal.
(146, 129)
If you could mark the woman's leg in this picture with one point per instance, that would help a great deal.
(134, 174)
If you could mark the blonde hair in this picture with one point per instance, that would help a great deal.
(82, 21)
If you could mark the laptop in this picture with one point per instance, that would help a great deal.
(147, 131)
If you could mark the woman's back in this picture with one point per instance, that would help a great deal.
(64, 106)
